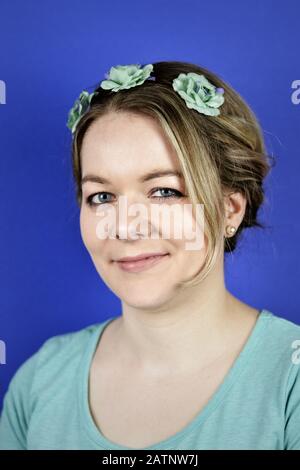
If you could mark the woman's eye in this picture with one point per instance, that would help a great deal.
(175, 193)
(91, 200)
(94, 199)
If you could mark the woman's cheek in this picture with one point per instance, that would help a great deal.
(88, 229)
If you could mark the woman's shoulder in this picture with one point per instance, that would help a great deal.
(279, 321)
(280, 328)
(59, 352)
(278, 355)
(282, 349)
(68, 344)
(51, 369)
(280, 337)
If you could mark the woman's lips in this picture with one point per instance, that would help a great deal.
(142, 264)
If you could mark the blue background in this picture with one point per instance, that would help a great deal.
(49, 52)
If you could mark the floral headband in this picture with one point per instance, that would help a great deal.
(195, 89)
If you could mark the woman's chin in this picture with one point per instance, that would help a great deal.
(144, 300)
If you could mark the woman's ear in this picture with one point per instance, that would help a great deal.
(235, 207)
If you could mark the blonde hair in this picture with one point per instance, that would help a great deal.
(216, 153)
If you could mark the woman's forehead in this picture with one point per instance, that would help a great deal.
(126, 149)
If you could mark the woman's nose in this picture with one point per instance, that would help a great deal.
(133, 218)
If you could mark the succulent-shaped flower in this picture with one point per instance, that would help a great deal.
(199, 93)
(126, 76)
(80, 107)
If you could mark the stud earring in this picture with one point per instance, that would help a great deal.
(230, 230)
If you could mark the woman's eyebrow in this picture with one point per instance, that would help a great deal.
(148, 176)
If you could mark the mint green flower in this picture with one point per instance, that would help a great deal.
(199, 93)
(123, 77)
(80, 107)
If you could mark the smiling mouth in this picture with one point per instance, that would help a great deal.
(142, 264)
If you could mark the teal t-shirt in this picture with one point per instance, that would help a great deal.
(257, 406)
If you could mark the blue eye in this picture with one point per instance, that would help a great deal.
(175, 194)
(90, 202)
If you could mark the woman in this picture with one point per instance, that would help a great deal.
(186, 365)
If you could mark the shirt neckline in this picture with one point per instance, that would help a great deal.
(237, 367)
